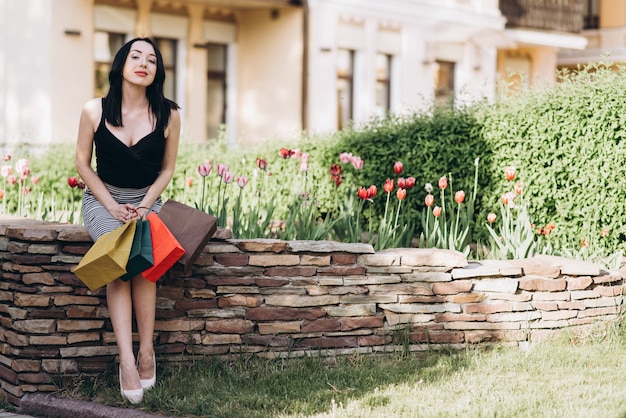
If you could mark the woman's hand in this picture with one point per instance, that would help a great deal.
(124, 213)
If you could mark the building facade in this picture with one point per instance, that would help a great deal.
(604, 27)
(254, 70)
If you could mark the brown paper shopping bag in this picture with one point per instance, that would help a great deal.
(106, 259)
(191, 227)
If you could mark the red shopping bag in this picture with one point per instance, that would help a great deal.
(166, 250)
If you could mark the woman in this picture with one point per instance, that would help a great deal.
(135, 131)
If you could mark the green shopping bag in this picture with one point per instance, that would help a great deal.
(140, 258)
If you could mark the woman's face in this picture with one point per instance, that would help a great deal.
(141, 64)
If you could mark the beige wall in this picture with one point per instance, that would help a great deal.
(269, 74)
(612, 13)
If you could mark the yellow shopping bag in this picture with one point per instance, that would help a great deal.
(106, 259)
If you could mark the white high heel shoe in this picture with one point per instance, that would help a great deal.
(149, 383)
(134, 396)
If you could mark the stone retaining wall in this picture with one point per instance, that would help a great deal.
(284, 298)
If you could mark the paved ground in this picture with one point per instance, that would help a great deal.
(47, 406)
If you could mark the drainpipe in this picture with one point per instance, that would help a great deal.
(305, 64)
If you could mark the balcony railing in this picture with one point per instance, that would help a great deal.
(553, 15)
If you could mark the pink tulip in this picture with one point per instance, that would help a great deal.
(228, 177)
(204, 169)
(443, 183)
(221, 169)
(242, 181)
(357, 163)
(5, 170)
(410, 182)
(459, 196)
(345, 157)
(34, 179)
(491, 218)
(430, 200)
(437, 211)
(7, 157)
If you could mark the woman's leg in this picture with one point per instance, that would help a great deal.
(120, 307)
(144, 302)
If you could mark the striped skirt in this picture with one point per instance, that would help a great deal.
(98, 220)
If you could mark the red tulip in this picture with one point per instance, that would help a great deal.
(443, 183)
(335, 170)
(204, 169)
(491, 218)
(397, 167)
(337, 180)
(459, 196)
(430, 200)
(410, 182)
(81, 185)
(261, 163)
(285, 152)
(388, 187)
(71, 181)
(402, 182)
(510, 172)
(437, 211)
(401, 194)
(372, 191)
(363, 193)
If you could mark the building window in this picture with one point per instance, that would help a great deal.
(216, 88)
(345, 86)
(106, 45)
(591, 14)
(168, 48)
(383, 83)
(444, 83)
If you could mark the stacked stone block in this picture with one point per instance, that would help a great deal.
(274, 298)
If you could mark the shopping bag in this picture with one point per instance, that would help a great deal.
(107, 258)
(191, 227)
(166, 250)
(140, 258)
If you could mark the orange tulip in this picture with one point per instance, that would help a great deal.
(491, 218)
(401, 193)
(518, 187)
(388, 187)
(430, 200)
(437, 211)
(1, 194)
(459, 196)
(510, 172)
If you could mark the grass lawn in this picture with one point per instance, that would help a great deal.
(568, 377)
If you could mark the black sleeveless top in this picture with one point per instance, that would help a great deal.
(132, 167)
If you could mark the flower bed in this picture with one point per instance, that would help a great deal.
(272, 298)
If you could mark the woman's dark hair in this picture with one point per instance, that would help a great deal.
(158, 104)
